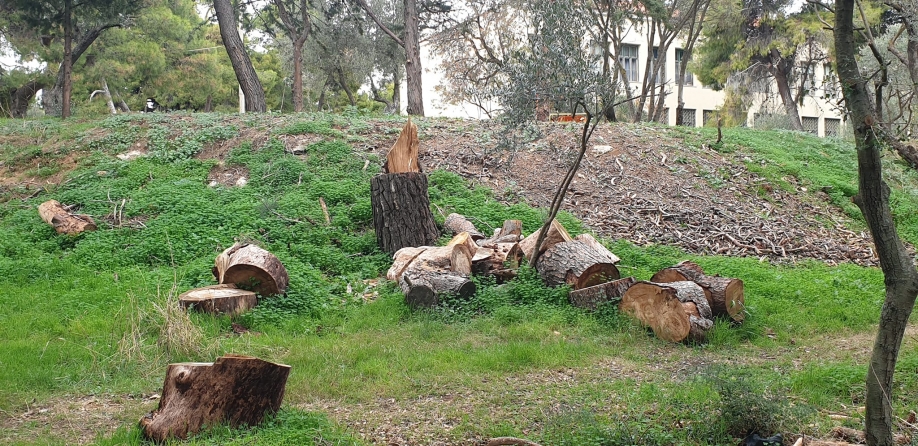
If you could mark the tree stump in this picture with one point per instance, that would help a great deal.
(577, 264)
(556, 234)
(62, 220)
(219, 299)
(660, 307)
(590, 298)
(725, 295)
(251, 267)
(401, 211)
(238, 390)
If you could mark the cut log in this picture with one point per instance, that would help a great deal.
(401, 259)
(456, 224)
(465, 241)
(556, 234)
(422, 287)
(725, 295)
(403, 156)
(598, 247)
(500, 260)
(237, 390)
(591, 297)
(219, 299)
(445, 259)
(251, 268)
(64, 222)
(511, 227)
(576, 264)
(659, 306)
(401, 211)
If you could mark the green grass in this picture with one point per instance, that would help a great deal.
(83, 315)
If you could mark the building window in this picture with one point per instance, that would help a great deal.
(832, 126)
(680, 55)
(829, 82)
(688, 117)
(811, 125)
(629, 61)
(708, 118)
(659, 72)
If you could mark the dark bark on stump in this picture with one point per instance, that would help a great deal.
(401, 211)
(238, 390)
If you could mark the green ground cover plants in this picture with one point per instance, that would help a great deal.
(94, 314)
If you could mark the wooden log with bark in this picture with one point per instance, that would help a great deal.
(675, 312)
(456, 224)
(237, 390)
(577, 264)
(401, 211)
(219, 299)
(556, 234)
(725, 295)
(424, 273)
(252, 268)
(62, 220)
(500, 260)
(590, 298)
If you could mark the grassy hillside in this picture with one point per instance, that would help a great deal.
(88, 322)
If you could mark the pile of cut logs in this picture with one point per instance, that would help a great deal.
(679, 303)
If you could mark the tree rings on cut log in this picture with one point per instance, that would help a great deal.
(591, 297)
(219, 299)
(401, 211)
(725, 295)
(237, 390)
(251, 267)
(64, 222)
(660, 307)
(422, 287)
(577, 264)
(556, 234)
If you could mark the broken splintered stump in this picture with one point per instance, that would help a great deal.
(724, 294)
(219, 299)
(62, 220)
(237, 390)
(251, 267)
(675, 312)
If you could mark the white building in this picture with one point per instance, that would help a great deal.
(819, 111)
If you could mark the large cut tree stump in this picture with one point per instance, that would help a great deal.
(577, 264)
(556, 234)
(590, 298)
(674, 311)
(62, 220)
(725, 295)
(252, 268)
(237, 390)
(219, 299)
(401, 211)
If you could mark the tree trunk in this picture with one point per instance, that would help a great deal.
(219, 299)
(901, 277)
(67, 65)
(52, 99)
(577, 264)
(108, 98)
(237, 390)
(780, 71)
(22, 96)
(661, 308)
(242, 65)
(725, 295)
(413, 59)
(298, 74)
(590, 298)
(401, 211)
(251, 267)
(62, 220)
